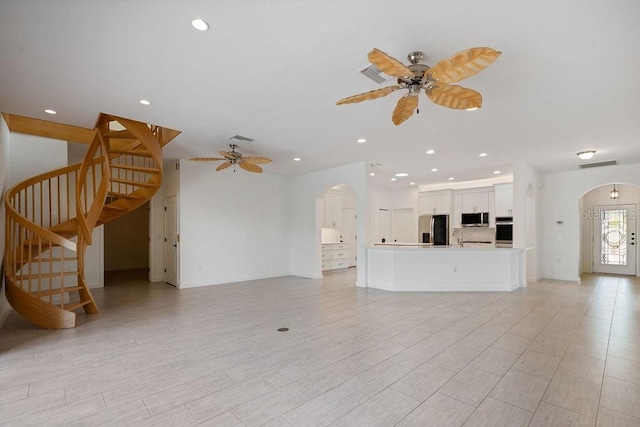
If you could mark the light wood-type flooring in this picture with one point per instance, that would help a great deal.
(553, 354)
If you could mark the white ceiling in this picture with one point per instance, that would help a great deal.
(272, 70)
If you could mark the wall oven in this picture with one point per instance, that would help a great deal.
(504, 231)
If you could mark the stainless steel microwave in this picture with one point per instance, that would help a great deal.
(479, 219)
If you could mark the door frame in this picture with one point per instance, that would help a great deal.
(595, 234)
(167, 240)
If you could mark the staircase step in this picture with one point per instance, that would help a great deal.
(142, 153)
(74, 305)
(45, 275)
(121, 134)
(135, 183)
(115, 208)
(56, 291)
(135, 168)
(125, 196)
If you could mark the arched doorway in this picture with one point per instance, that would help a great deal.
(338, 228)
(608, 230)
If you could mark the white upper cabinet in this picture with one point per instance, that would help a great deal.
(435, 202)
(504, 199)
(475, 202)
(332, 210)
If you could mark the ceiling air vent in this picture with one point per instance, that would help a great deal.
(375, 74)
(598, 164)
(239, 138)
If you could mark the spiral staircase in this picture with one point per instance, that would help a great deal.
(50, 218)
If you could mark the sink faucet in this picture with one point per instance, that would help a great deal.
(457, 234)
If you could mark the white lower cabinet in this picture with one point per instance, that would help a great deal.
(335, 255)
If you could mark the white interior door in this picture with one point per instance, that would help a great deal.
(384, 226)
(349, 232)
(402, 226)
(614, 239)
(171, 240)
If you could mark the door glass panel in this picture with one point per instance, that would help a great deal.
(614, 237)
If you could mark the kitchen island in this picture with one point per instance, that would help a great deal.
(445, 268)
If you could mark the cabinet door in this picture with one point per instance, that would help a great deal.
(337, 210)
(504, 202)
(434, 204)
(475, 202)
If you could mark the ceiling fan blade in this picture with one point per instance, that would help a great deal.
(206, 159)
(256, 160)
(223, 166)
(454, 96)
(249, 167)
(372, 94)
(404, 109)
(463, 64)
(388, 65)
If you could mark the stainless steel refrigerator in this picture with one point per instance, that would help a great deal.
(434, 229)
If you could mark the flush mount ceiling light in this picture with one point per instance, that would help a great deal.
(296, 159)
(451, 178)
(496, 172)
(200, 24)
(50, 111)
(362, 141)
(402, 174)
(144, 102)
(372, 174)
(412, 183)
(614, 193)
(434, 170)
(586, 155)
(393, 179)
(430, 151)
(482, 155)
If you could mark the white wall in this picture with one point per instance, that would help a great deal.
(527, 219)
(234, 226)
(629, 194)
(560, 199)
(4, 172)
(35, 155)
(306, 220)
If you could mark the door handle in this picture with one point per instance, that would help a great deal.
(175, 246)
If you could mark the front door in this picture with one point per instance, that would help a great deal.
(614, 238)
(171, 241)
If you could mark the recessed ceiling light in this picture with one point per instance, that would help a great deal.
(402, 174)
(472, 109)
(372, 174)
(482, 155)
(144, 102)
(362, 140)
(451, 178)
(393, 179)
(496, 172)
(434, 170)
(586, 155)
(200, 24)
(430, 151)
(50, 111)
(412, 183)
(296, 159)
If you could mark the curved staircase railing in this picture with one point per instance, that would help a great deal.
(50, 218)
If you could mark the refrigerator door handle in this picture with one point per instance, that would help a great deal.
(432, 229)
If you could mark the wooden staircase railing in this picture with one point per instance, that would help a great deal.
(50, 218)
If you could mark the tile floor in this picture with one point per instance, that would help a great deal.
(553, 354)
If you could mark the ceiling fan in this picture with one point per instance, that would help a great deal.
(434, 80)
(234, 158)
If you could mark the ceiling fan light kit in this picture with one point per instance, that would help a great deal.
(435, 81)
(233, 158)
